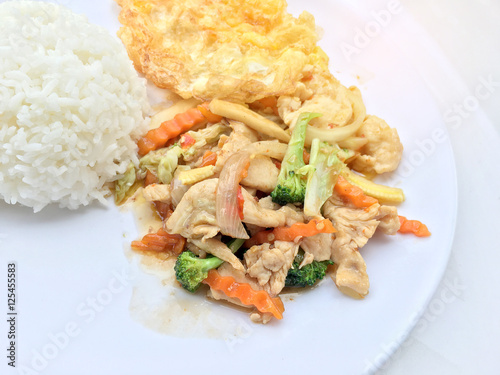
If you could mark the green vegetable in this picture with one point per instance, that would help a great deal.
(123, 185)
(291, 186)
(203, 137)
(190, 270)
(162, 162)
(307, 275)
(327, 166)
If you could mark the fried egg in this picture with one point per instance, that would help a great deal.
(227, 49)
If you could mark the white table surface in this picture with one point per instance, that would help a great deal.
(460, 331)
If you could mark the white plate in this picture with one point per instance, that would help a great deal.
(77, 313)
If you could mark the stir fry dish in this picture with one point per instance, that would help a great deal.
(264, 179)
(248, 214)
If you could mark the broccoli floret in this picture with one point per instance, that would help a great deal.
(307, 275)
(190, 270)
(291, 186)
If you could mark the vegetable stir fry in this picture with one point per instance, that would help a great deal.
(254, 200)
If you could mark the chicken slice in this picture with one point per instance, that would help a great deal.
(355, 226)
(330, 99)
(388, 219)
(319, 246)
(263, 214)
(358, 224)
(262, 318)
(157, 192)
(241, 128)
(349, 268)
(240, 137)
(383, 151)
(270, 265)
(194, 216)
(262, 174)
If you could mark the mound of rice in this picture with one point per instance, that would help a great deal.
(71, 107)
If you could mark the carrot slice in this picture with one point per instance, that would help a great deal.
(150, 178)
(291, 233)
(157, 138)
(244, 292)
(187, 141)
(211, 117)
(163, 209)
(413, 226)
(161, 241)
(303, 230)
(267, 102)
(353, 193)
(264, 236)
(209, 158)
(306, 156)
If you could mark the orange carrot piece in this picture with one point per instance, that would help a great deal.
(414, 227)
(306, 156)
(303, 230)
(291, 233)
(244, 292)
(267, 102)
(211, 117)
(157, 138)
(260, 237)
(209, 158)
(163, 209)
(161, 241)
(353, 193)
(187, 141)
(150, 178)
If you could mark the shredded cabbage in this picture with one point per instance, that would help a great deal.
(321, 181)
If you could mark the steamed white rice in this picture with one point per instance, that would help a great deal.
(71, 107)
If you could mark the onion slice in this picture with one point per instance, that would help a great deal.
(226, 201)
(339, 134)
(177, 187)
